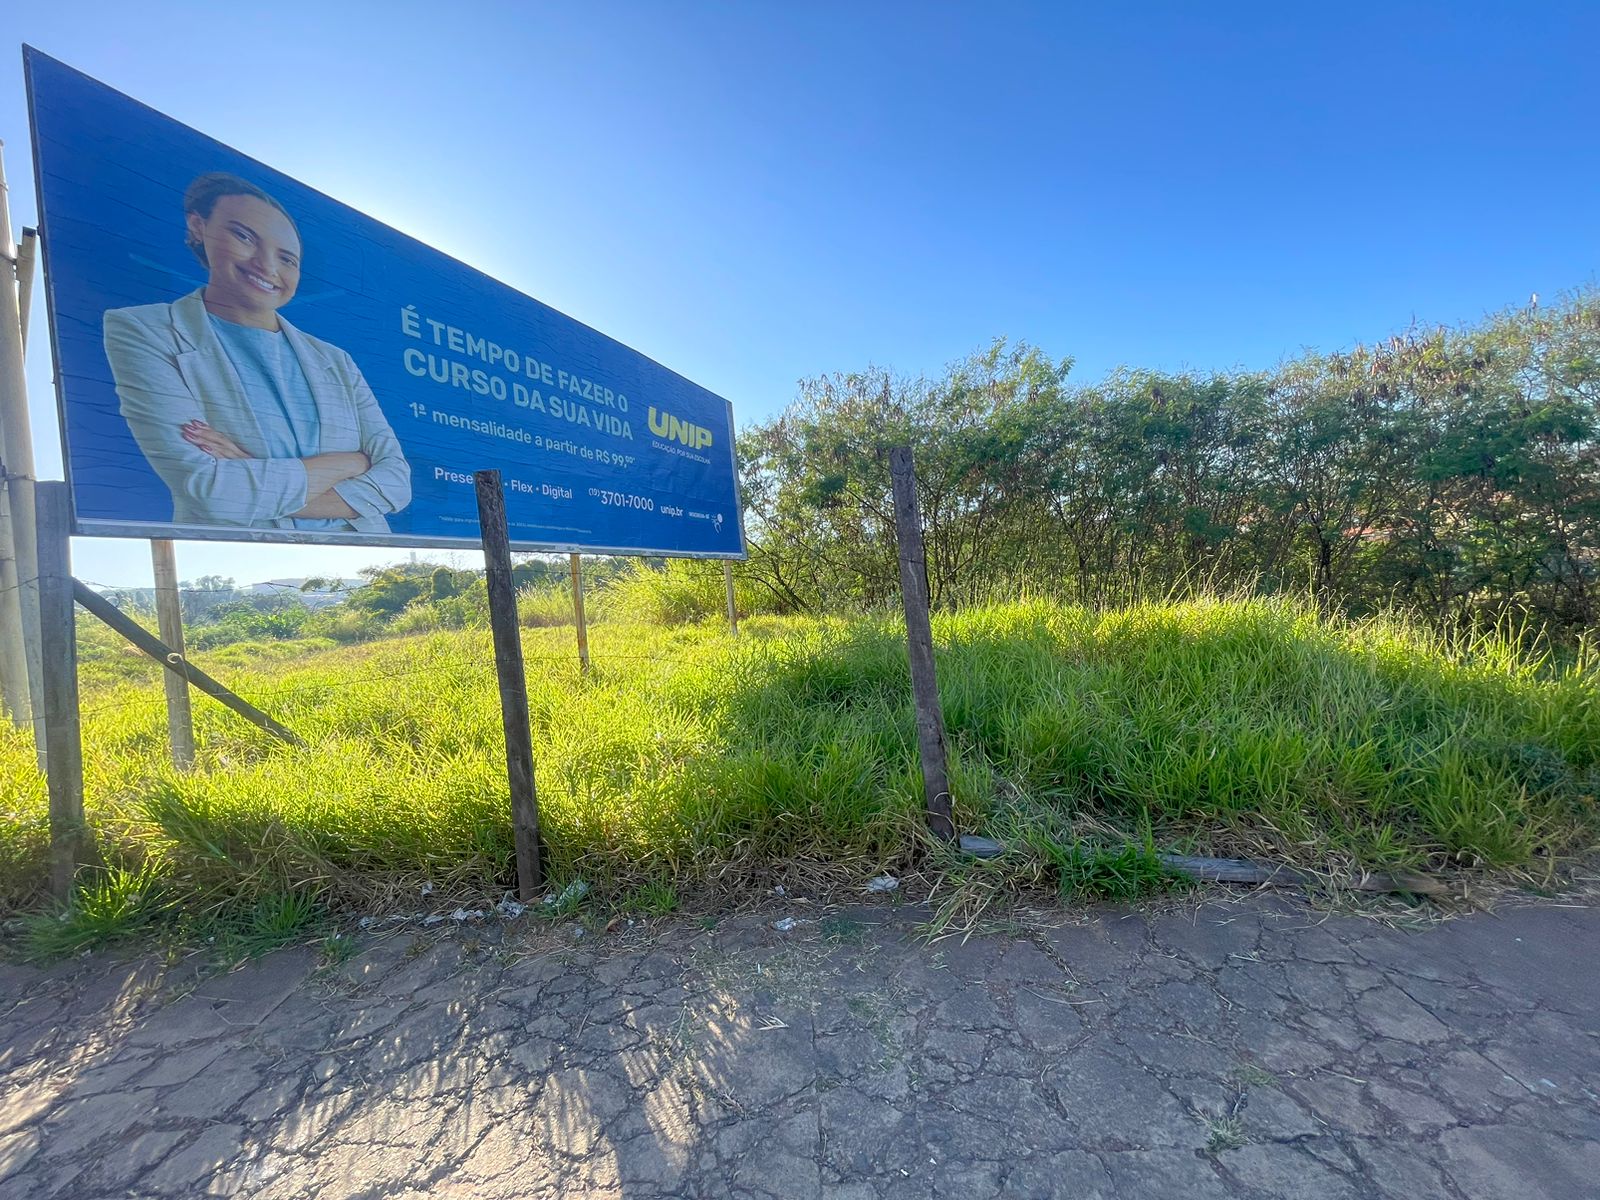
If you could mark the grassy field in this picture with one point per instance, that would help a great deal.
(690, 760)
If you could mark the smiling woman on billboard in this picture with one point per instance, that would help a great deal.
(249, 421)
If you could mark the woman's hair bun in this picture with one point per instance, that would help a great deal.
(202, 194)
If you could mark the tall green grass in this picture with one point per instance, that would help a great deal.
(676, 591)
(687, 758)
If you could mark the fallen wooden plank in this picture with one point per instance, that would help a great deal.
(1241, 870)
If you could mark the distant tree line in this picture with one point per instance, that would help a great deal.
(391, 590)
(1454, 472)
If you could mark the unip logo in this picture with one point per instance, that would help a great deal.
(673, 429)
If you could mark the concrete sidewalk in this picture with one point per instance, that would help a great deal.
(1251, 1048)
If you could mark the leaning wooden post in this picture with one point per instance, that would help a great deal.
(58, 655)
(169, 617)
(144, 640)
(919, 637)
(577, 615)
(733, 609)
(513, 682)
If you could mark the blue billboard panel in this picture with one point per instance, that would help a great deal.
(243, 358)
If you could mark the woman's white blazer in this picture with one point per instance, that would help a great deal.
(170, 368)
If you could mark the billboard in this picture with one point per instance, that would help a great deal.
(240, 357)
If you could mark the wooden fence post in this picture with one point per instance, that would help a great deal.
(70, 844)
(513, 681)
(577, 614)
(919, 639)
(169, 618)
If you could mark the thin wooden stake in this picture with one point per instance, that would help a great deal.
(577, 613)
(733, 609)
(919, 639)
(169, 617)
(27, 259)
(513, 682)
(70, 844)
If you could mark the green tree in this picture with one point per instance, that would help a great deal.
(197, 597)
(443, 584)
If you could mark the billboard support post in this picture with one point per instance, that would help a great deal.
(70, 844)
(13, 658)
(513, 681)
(16, 470)
(577, 615)
(169, 619)
(733, 609)
(919, 639)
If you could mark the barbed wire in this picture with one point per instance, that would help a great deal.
(481, 673)
(232, 592)
(461, 674)
(250, 589)
(236, 593)
(470, 628)
(231, 595)
(269, 695)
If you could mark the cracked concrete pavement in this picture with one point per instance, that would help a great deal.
(1225, 1048)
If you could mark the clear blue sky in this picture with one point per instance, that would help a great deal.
(754, 192)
